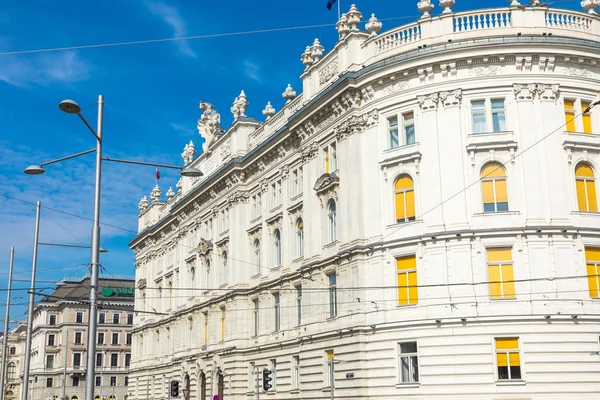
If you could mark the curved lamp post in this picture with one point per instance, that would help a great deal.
(71, 107)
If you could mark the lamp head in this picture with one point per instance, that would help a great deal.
(34, 170)
(191, 172)
(69, 106)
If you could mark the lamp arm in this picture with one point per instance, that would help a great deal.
(89, 127)
(68, 157)
(142, 163)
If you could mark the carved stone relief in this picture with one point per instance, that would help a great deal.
(429, 101)
(328, 72)
(356, 124)
(451, 98)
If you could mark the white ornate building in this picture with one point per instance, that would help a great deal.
(15, 360)
(422, 218)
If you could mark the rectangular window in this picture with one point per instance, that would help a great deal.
(50, 340)
(126, 381)
(78, 338)
(408, 126)
(79, 318)
(575, 122)
(592, 263)
(75, 381)
(128, 339)
(277, 311)
(127, 359)
(326, 159)
(99, 360)
(255, 316)
(408, 361)
(49, 382)
(98, 381)
(393, 132)
(274, 375)
(76, 360)
(252, 377)
(223, 314)
(498, 116)
(330, 358)
(508, 359)
(296, 378)
(297, 181)
(332, 295)
(115, 338)
(114, 360)
(52, 319)
(299, 305)
(586, 117)
(205, 328)
(478, 112)
(100, 337)
(500, 273)
(129, 319)
(408, 291)
(101, 318)
(115, 318)
(13, 351)
(50, 361)
(570, 115)
(113, 381)
(257, 205)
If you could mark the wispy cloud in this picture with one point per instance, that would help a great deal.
(62, 67)
(170, 16)
(251, 70)
(184, 130)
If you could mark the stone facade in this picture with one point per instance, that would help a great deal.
(421, 222)
(60, 334)
(15, 361)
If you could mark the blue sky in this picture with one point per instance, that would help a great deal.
(152, 92)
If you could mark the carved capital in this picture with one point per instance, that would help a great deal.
(547, 92)
(524, 92)
(356, 124)
(451, 98)
(309, 152)
(428, 102)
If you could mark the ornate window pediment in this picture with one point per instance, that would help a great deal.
(327, 187)
(204, 247)
(141, 283)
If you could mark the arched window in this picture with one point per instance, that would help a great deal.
(300, 238)
(257, 256)
(11, 371)
(404, 194)
(585, 183)
(207, 274)
(74, 398)
(332, 217)
(224, 270)
(277, 247)
(493, 188)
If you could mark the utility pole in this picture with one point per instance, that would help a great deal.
(6, 321)
(257, 382)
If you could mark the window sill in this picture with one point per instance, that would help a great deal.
(298, 259)
(275, 208)
(295, 391)
(586, 213)
(481, 214)
(255, 276)
(331, 244)
(511, 383)
(271, 393)
(255, 219)
(297, 196)
(408, 385)
(415, 305)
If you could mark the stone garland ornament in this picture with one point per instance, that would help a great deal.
(289, 94)
(373, 26)
(269, 111)
(447, 5)
(425, 7)
(209, 125)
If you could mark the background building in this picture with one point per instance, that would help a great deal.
(59, 342)
(421, 222)
(15, 361)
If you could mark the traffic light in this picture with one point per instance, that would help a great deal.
(174, 388)
(267, 379)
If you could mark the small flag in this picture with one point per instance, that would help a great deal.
(330, 4)
(157, 174)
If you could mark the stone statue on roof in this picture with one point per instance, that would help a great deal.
(209, 125)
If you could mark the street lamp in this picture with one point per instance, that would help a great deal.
(71, 107)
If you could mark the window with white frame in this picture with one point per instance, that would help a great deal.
(488, 115)
(406, 135)
(255, 316)
(274, 375)
(576, 119)
(11, 370)
(224, 220)
(49, 361)
(297, 181)
(99, 359)
(256, 249)
(276, 194)
(78, 338)
(330, 163)
(115, 338)
(332, 221)
(277, 248)
(224, 270)
(299, 238)
(299, 305)
(76, 360)
(296, 376)
(332, 278)
(277, 310)
(52, 319)
(79, 317)
(257, 205)
(251, 377)
(408, 362)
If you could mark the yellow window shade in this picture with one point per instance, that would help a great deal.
(326, 160)
(570, 122)
(493, 170)
(515, 359)
(413, 290)
(592, 254)
(400, 211)
(587, 118)
(402, 288)
(504, 254)
(410, 204)
(590, 187)
(408, 115)
(487, 187)
(330, 355)
(593, 279)
(501, 195)
(404, 182)
(508, 278)
(581, 195)
(495, 283)
(507, 344)
(584, 170)
(569, 104)
(404, 263)
(300, 224)
(502, 359)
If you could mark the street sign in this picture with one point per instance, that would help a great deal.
(216, 397)
(349, 375)
(186, 394)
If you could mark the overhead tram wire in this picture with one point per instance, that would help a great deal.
(184, 38)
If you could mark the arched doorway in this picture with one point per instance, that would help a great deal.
(202, 394)
(221, 384)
